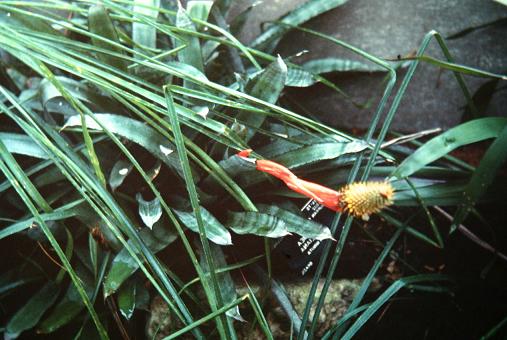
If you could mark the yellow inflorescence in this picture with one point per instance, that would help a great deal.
(365, 198)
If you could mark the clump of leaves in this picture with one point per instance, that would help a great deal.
(120, 122)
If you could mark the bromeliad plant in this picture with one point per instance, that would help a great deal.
(121, 121)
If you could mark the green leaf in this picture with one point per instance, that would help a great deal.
(142, 295)
(29, 315)
(101, 25)
(443, 194)
(14, 278)
(70, 305)
(208, 317)
(124, 265)
(215, 231)
(22, 144)
(208, 51)
(188, 69)
(281, 296)
(119, 172)
(275, 222)
(81, 109)
(127, 298)
(312, 8)
(372, 274)
(481, 98)
(31, 22)
(318, 152)
(69, 210)
(270, 82)
(225, 282)
(263, 323)
(135, 131)
(145, 35)
(458, 68)
(256, 223)
(297, 77)
(327, 65)
(30, 98)
(53, 100)
(214, 296)
(199, 9)
(384, 297)
(267, 86)
(94, 252)
(295, 142)
(297, 224)
(150, 211)
(483, 176)
(191, 54)
(467, 133)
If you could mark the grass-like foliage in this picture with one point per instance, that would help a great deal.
(120, 124)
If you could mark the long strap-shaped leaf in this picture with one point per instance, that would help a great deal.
(267, 86)
(144, 35)
(64, 212)
(483, 176)
(215, 296)
(467, 133)
(382, 299)
(303, 13)
(100, 24)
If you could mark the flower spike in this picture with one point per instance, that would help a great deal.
(358, 199)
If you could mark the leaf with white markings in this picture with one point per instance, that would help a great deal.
(215, 231)
(267, 86)
(150, 211)
(119, 172)
(145, 35)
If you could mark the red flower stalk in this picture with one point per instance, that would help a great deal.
(359, 199)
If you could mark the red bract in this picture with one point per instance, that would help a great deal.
(327, 197)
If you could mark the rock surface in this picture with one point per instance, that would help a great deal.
(388, 29)
(340, 295)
